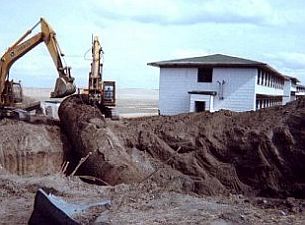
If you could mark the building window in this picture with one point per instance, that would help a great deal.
(267, 101)
(263, 78)
(269, 79)
(205, 75)
(259, 77)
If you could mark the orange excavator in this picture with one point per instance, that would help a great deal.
(11, 92)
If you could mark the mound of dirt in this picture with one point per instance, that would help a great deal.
(94, 144)
(254, 153)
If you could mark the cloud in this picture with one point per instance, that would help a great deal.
(291, 60)
(134, 32)
(289, 63)
(188, 53)
(178, 12)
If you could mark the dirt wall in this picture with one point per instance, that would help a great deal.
(30, 149)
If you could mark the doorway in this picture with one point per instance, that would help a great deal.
(199, 106)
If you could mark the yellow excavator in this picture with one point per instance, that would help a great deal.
(100, 93)
(11, 92)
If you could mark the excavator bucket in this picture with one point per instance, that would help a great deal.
(64, 86)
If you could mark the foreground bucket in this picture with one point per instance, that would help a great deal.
(47, 213)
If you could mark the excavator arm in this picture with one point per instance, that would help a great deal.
(64, 84)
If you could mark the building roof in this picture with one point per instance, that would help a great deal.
(216, 60)
(292, 78)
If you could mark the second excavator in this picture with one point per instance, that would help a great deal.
(100, 93)
(10, 91)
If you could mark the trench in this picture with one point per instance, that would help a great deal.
(36, 148)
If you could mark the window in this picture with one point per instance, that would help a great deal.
(263, 78)
(205, 75)
(259, 77)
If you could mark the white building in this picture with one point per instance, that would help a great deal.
(215, 82)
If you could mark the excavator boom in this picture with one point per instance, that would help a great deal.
(64, 84)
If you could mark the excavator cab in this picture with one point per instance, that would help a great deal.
(12, 93)
(17, 92)
(108, 97)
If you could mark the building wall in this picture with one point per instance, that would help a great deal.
(287, 91)
(263, 90)
(173, 89)
(293, 87)
(238, 89)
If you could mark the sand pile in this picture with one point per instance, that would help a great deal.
(256, 153)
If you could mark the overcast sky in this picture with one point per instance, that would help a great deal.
(135, 32)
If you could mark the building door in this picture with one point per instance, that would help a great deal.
(199, 106)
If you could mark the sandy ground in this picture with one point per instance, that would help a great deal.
(144, 203)
(130, 102)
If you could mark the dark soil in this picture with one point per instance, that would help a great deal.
(253, 153)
